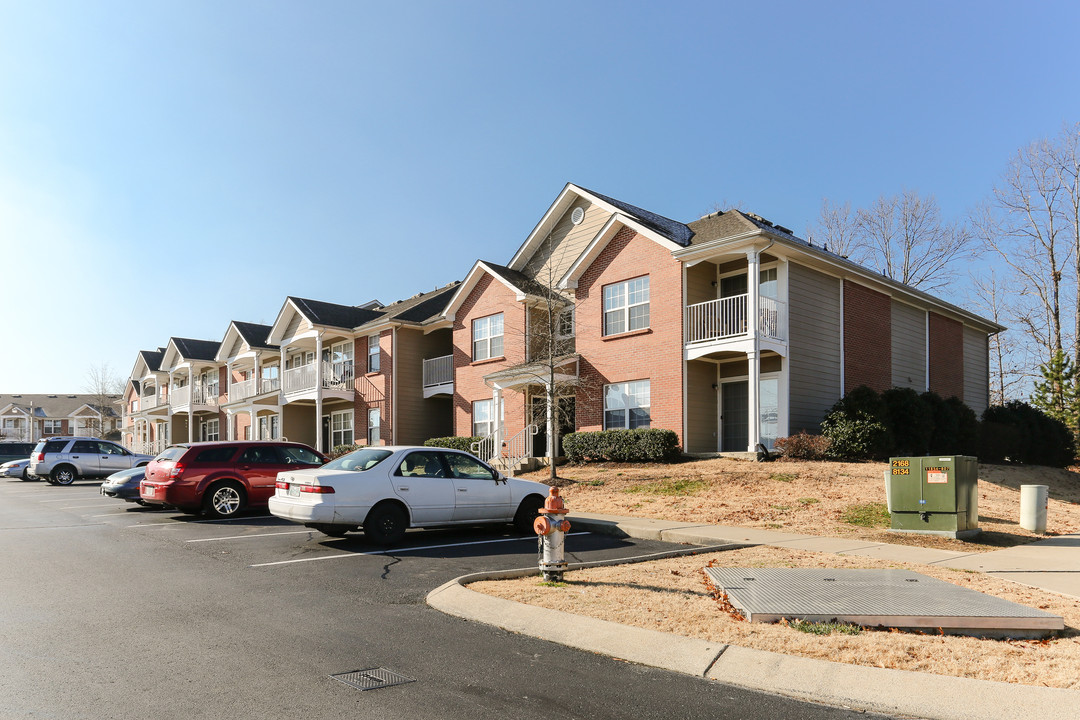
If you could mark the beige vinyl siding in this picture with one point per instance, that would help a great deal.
(420, 419)
(976, 370)
(294, 325)
(701, 407)
(813, 348)
(297, 424)
(908, 347)
(567, 241)
(770, 363)
(236, 348)
(700, 283)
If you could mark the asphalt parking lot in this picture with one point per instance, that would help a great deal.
(111, 610)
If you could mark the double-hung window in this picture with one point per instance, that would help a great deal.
(626, 405)
(52, 427)
(373, 353)
(374, 420)
(341, 430)
(483, 418)
(211, 430)
(626, 306)
(487, 335)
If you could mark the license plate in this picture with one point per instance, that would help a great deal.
(294, 491)
(149, 491)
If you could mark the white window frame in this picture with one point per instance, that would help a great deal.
(374, 353)
(619, 306)
(629, 394)
(341, 428)
(483, 418)
(374, 426)
(210, 430)
(52, 427)
(487, 337)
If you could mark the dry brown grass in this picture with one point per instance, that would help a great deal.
(804, 497)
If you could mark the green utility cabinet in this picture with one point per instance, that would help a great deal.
(934, 495)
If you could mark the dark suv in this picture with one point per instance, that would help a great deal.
(221, 478)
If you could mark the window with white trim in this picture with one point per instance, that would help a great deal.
(627, 405)
(626, 306)
(487, 335)
(341, 360)
(269, 427)
(211, 430)
(52, 427)
(373, 353)
(341, 428)
(374, 420)
(483, 420)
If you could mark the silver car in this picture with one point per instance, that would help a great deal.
(61, 460)
(15, 469)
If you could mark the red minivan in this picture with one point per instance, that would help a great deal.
(222, 478)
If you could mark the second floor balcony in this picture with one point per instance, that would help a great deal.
(194, 396)
(335, 376)
(439, 376)
(726, 319)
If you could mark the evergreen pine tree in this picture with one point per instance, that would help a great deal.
(1057, 394)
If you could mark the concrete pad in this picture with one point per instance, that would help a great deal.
(689, 656)
(1066, 583)
(642, 528)
(906, 553)
(894, 692)
(1057, 554)
(825, 544)
(711, 534)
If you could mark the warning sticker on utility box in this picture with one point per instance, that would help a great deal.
(937, 476)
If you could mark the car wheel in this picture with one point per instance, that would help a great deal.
(386, 524)
(526, 513)
(26, 476)
(337, 531)
(63, 475)
(224, 499)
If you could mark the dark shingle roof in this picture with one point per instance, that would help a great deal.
(425, 306)
(673, 230)
(519, 280)
(254, 334)
(153, 358)
(57, 406)
(334, 315)
(197, 349)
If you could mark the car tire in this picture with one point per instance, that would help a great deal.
(335, 531)
(63, 475)
(26, 476)
(526, 513)
(224, 499)
(385, 524)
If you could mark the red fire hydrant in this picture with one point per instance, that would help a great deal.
(552, 527)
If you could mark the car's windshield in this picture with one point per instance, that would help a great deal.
(359, 460)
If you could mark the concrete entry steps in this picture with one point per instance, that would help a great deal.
(877, 598)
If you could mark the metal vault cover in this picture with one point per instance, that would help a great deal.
(372, 678)
(872, 598)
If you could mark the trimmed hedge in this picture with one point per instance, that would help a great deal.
(1018, 432)
(640, 445)
(454, 442)
(803, 446)
(857, 426)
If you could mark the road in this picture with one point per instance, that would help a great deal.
(109, 610)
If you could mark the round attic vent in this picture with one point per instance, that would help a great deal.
(577, 216)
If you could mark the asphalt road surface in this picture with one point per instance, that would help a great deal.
(109, 610)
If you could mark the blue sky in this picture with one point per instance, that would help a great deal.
(168, 167)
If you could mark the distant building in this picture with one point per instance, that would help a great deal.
(28, 417)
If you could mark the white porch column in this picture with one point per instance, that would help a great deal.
(230, 432)
(258, 373)
(753, 357)
(318, 392)
(496, 405)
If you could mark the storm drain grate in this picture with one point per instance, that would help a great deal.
(372, 678)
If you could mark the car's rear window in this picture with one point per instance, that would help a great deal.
(300, 455)
(40, 447)
(216, 454)
(55, 446)
(359, 460)
(172, 453)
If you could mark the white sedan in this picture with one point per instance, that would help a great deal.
(16, 468)
(389, 489)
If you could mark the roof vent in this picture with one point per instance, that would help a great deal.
(577, 215)
(52, 396)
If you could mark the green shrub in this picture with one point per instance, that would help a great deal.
(803, 446)
(910, 420)
(641, 445)
(1020, 433)
(966, 441)
(856, 426)
(454, 442)
(340, 450)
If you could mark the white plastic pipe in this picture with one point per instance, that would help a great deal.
(1033, 501)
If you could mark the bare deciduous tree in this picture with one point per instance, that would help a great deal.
(838, 231)
(104, 386)
(1011, 365)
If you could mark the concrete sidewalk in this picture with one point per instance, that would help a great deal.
(1052, 564)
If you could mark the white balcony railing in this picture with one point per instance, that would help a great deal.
(439, 371)
(241, 390)
(271, 385)
(336, 376)
(299, 379)
(195, 395)
(726, 318)
(148, 402)
(180, 396)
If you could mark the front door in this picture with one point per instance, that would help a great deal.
(734, 416)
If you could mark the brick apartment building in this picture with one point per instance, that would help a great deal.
(728, 330)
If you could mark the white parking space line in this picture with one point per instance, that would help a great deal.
(177, 523)
(398, 551)
(58, 500)
(244, 537)
(78, 507)
(118, 512)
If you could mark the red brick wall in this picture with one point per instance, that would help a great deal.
(867, 338)
(489, 296)
(946, 356)
(654, 354)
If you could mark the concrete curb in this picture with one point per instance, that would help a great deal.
(924, 695)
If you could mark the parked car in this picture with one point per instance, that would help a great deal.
(222, 478)
(61, 460)
(16, 469)
(124, 485)
(386, 490)
(15, 450)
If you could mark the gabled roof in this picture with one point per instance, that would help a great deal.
(332, 314)
(673, 230)
(522, 285)
(521, 282)
(191, 349)
(56, 406)
(420, 308)
(254, 334)
(152, 358)
(736, 222)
